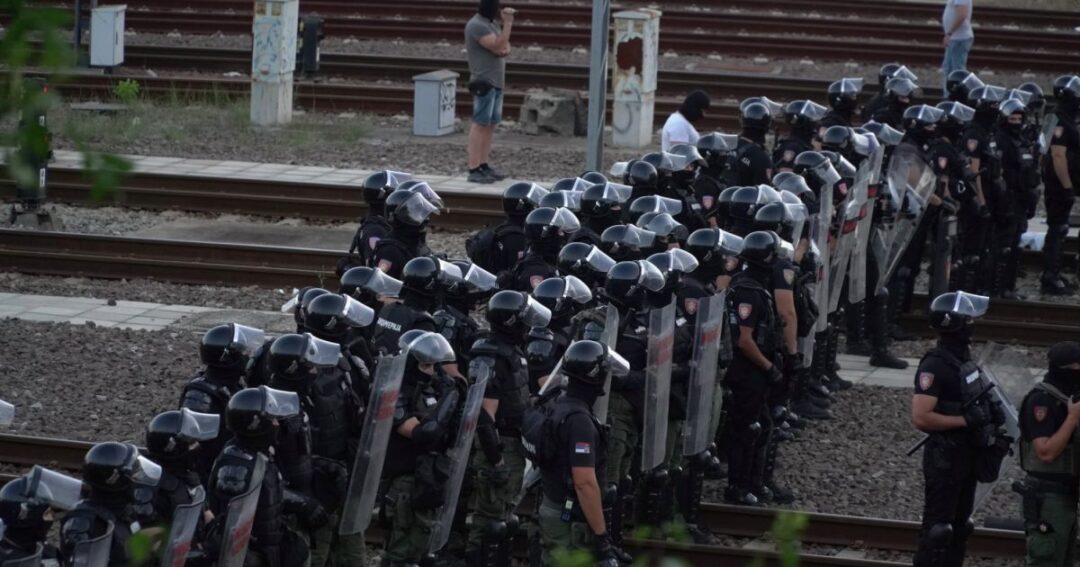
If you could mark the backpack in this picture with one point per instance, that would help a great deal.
(481, 245)
(539, 429)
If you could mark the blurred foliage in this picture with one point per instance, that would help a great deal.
(127, 91)
(34, 41)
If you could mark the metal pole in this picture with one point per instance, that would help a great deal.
(598, 75)
(77, 44)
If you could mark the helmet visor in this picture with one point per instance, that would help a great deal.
(280, 403)
(775, 108)
(395, 178)
(321, 353)
(960, 112)
(807, 109)
(651, 277)
(59, 490)
(844, 167)
(565, 219)
(146, 472)
(680, 260)
(903, 72)
(886, 134)
(535, 314)
(619, 168)
(851, 85)
(616, 193)
(618, 365)
(479, 280)
(685, 157)
(449, 273)
(356, 313)
(381, 284)
(565, 199)
(902, 86)
(720, 143)
(247, 340)
(416, 210)
(7, 413)
(728, 244)
(1022, 96)
(972, 305)
(598, 261)
(422, 188)
(787, 251)
(658, 204)
(826, 173)
(196, 426)
(1072, 86)
(535, 194)
(665, 225)
(430, 348)
(863, 144)
(636, 237)
(576, 291)
(972, 82)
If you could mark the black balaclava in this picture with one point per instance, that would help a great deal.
(949, 129)
(409, 235)
(489, 9)
(228, 376)
(694, 106)
(755, 134)
(1065, 379)
(584, 392)
(986, 117)
(958, 342)
(376, 209)
(804, 132)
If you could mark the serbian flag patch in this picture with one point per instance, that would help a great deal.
(583, 448)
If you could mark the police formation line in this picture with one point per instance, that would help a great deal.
(607, 348)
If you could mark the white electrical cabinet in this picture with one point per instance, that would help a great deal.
(107, 35)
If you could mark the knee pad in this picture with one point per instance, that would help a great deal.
(940, 535)
(964, 530)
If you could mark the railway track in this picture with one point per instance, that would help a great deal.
(210, 263)
(736, 521)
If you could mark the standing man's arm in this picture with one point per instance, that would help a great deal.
(1061, 165)
(499, 44)
(961, 13)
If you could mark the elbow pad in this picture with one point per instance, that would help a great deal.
(436, 426)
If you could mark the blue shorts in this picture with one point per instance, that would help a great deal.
(487, 109)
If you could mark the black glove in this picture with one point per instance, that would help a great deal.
(997, 414)
(775, 375)
(315, 516)
(443, 384)
(605, 551)
(977, 415)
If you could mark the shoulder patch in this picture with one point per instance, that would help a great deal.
(583, 448)
(926, 380)
(789, 155)
(972, 144)
(690, 305)
(745, 309)
(1040, 412)
(535, 281)
(385, 265)
(1059, 131)
(789, 276)
(707, 201)
(731, 263)
(942, 162)
(373, 241)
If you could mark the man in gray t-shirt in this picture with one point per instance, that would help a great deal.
(956, 23)
(487, 45)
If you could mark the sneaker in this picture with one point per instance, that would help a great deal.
(480, 176)
(886, 359)
(497, 176)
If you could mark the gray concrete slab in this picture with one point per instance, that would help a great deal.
(270, 321)
(252, 233)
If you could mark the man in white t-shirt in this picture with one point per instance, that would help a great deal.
(679, 128)
(956, 23)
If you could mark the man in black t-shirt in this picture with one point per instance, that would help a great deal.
(1061, 174)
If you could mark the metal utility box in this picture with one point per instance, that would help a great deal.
(434, 103)
(107, 35)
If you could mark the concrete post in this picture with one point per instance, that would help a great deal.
(637, 40)
(273, 59)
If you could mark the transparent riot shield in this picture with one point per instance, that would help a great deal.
(870, 173)
(704, 366)
(610, 337)
(1047, 133)
(845, 242)
(31, 561)
(481, 372)
(657, 386)
(910, 182)
(184, 521)
(371, 451)
(239, 518)
(819, 235)
(7, 413)
(1013, 378)
(93, 552)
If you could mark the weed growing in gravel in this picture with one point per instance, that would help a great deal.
(127, 91)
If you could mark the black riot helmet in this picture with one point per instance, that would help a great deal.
(1010, 107)
(420, 276)
(668, 231)
(585, 261)
(516, 312)
(756, 116)
(920, 121)
(956, 310)
(900, 92)
(986, 98)
(520, 198)
(173, 435)
(887, 135)
(718, 149)
(686, 160)
(368, 285)
(569, 184)
(564, 296)
(299, 303)
(803, 113)
(885, 73)
(723, 205)
(594, 177)
(294, 358)
(629, 283)
(570, 200)
(25, 501)
(837, 139)
(770, 217)
(252, 412)
(642, 175)
(1067, 92)
(115, 467)
(760, 249)
(588, 363)
(475, 285)
(711, 245)
(626, 241)
(955, 116)
(604, 200)
(378, 186)
(653, 204)
(960, 83)
(20, 508)
(844, 95)
(412, 207)
(546, 229)
(1037, 99)
(745, 203)
(330, 315)
(229, 346)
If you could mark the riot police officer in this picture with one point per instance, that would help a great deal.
(1061, 176)
(687, 161)
(369, 286)
(756, 339)
(424, 423)
(960, 83)
(500, 462)
(586, 262)
(979, 145)
(897, 98)
(347, 323)
(408, 211)
(961, 420)
(1020, 171)
(374, 226)
(546, 230)
(1049, 416)
(324, 441)
(803, 116)
(460, 296)
(601, 207)
(571, 514)
(717, 149)
(174, 440)
(508, 243)
(253, 416)
(751, 164)
(882, 101)
(26, 518)
(419, 285)
(224, 350)
(843, 101)
(113, 472)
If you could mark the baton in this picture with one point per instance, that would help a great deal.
(965, 406)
